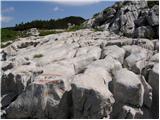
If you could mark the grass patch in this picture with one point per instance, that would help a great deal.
(76, 27)
(37, 56)
(48, 32)
(8, 35)
(97, 29)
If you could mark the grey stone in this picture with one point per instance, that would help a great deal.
(128, 88)
(144, 32)
(153, 16)
(130, 113)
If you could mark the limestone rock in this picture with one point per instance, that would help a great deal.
(144, 32)
(90, 100)
(130, 113)
(115, 52)
(128, 88)
(153, 16)
(38, 100)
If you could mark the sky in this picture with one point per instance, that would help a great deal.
(15, 12)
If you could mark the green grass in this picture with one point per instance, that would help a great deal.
(8, 35)
(37, 56)
(48, 32)
(97, 29)
(75, 28)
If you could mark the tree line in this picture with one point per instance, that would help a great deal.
(49, 24)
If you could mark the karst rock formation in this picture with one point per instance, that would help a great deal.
(86, 73)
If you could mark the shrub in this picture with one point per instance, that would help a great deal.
(37, 56)
(107, 10)
(95, 15)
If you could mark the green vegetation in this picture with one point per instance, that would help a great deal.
(152, 3)
(97, 29)
(8, 35)
(37, 56)
(50, 24)
(48, 32)
(76, 27)
(119, 5)
(107, 10)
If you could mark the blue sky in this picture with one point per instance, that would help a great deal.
(15, 12)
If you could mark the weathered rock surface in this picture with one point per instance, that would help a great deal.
(81, 74)
(90, 100)
(128, 88)
(129, 18)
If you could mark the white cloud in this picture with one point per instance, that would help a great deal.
(7, 10)
(5, 19)
(76, 2)
(57, 9)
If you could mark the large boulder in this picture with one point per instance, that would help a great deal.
(109, 63)
(90, 100)
(153, 16)
(33, 32)
(129, 112)
(136, 58)
(39, 100)
(128, 88)
(144, 32)
(115, 52)
(153, 80)
(14, 82)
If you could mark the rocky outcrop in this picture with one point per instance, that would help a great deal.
(33, 32)
(81, 74)
(129, 18)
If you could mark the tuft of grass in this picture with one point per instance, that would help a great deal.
(37, 56)
(97, 29)
(47, 32)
